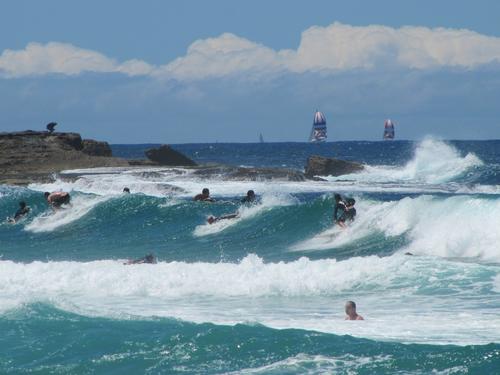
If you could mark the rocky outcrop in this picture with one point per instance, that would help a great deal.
(96, 148)
(249, 174)
(33, 156)
(166, 155)
(322, 166)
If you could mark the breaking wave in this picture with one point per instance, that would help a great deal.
(434, 162)
(460, 226)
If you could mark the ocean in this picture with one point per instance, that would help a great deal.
(263, 293)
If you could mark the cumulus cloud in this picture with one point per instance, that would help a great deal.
(225, 55)
(63, 58)
(331, 49)
(338, 48)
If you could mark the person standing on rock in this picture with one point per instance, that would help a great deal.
(57, 198)
(51, 127)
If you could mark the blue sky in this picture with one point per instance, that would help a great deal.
(201, 71)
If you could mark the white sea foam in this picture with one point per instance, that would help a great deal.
(244, 212)
(113, 183)
(317, 364)
(461, 226)
(434, 165)
(434, 162)
(409, 299)
(51, 220)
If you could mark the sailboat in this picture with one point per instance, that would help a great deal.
(318, 131)
(388, 129)
(261, 138)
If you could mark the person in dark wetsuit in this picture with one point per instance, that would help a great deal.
(339, 211)
(148, 259)
(126, 190)
(20, 213)
(350, 212)
(250, 197)
(204, 196)
(57, 199)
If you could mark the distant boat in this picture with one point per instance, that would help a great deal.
(388, 129)
(318, 131)
(261, 138)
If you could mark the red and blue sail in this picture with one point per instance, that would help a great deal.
(318, 131)
(389, 129)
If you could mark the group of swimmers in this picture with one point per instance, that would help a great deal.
(55, 200)
(204, 196)
(343, 212)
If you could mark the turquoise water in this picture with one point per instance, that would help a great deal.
(263, 293)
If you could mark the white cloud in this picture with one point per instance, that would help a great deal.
(225, 55)
(335, 48)
(63, 58)
(339, 47)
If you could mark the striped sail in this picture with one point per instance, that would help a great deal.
(388, 129)
(318, 131)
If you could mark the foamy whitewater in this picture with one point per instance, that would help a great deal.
(264, 292)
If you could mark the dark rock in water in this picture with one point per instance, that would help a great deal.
(166, 155)
(321, 166)
(30, 156)
(96, 148)
(249, 174)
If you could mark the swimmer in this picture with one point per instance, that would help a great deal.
(213, 219)
(57, 199)
(350, 310)
(250, 197)
(204, 196)
(20, 213)
(126, 190)
(148, 259)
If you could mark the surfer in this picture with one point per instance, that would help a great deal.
(147, 259)
(250, 197)
(204, 196)
(213, 219)
(20, 213)
(344, 210)
(57, 199)
(350, 310)
(339, 211)
(350, 213)
(126, 190)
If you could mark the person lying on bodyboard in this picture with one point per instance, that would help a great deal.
(213, 219)
(20, 213)
(148, 259)
(57, 198)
